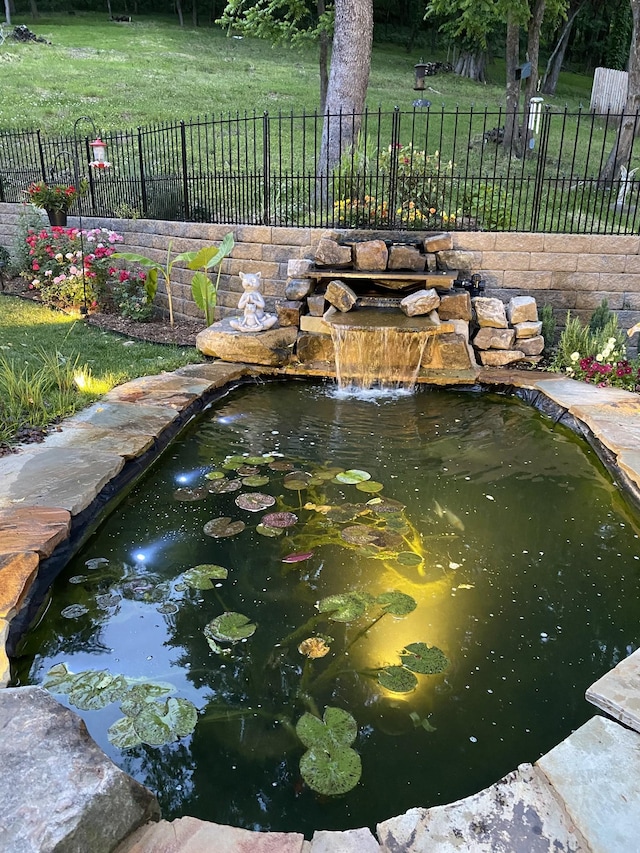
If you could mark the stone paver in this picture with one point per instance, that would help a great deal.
(5, 672)
(618, 692)
(189, 835)
(519, 814)
(596, 772)
(60, 477)
(29, 528)
(17, 573)
(350, 841)
(129, 445)
(138, 418)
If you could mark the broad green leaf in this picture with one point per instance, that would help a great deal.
(145, 262)
(203, 291)
(396, 602)
(138, 695)
(214, 475)
(409, 558)
(95, 689)
(337, 728)
(352, 476)
(59, 679)
(255, 480)
(181, 715)
(345, 606)
(397, 679)
(370, 486)
(151, 283)
(201, 577)
(123, 735)
(151, 725)
(230, 627)
(220, 528)
(331, 773)
(427, 660)
(270, 532)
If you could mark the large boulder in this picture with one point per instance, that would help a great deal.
(59, 793)
(273, 347)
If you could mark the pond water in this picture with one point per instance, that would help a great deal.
(495, 542)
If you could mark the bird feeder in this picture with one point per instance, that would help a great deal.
(99, 154)
(420, 69)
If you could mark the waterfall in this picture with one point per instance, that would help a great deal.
(376, 348)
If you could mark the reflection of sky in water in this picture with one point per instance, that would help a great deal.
(530, 585)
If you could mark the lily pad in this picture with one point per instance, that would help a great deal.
(167, 608)
(397, 679)
(256, 480)
(281, 465)
(352, 476)
(222, 487)
(255, 501)
(345, 606)
(346, 512)
(160, 723)
(396, 602)
(138, 695)
(370, 486)
(220, 528)
(265, 459)
(270, 532)
(201, 577)
(214, 475)
(187, 494)
(409, 558)
(327, 473)
(296, 485)
(78, 579)
(297, 476)
(95, 689)
(231, 463)
(122, 734)
(360, 534)
(427, 660)
(230, 627)
(331, 773)
(388, 505)
(247, 470)
(59, 679)
(74, 611)
(97, 563)
(279, 519)
(337, 728)
(297, 557)
(108, 600)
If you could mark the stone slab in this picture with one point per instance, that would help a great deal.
(163, 390)
(190, 835)
(617, 693)
(314, 325)
(596, 773)
(129, 445)
(58, 790)
(629, 462)
(349, 841)
(270, 347)
(60, 477)
(17, 572)
(5, 669)
(29, 528)
(216, 373)
(569, 393)
(519, 814)
(130, 417)
(498, 358)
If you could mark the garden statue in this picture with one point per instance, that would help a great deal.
(252, 304)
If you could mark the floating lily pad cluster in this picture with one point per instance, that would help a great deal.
(148, 718)
(415, 658)
(329, 766)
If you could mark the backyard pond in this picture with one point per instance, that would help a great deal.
(317, 611)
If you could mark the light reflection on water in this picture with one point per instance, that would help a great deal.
(530, 585)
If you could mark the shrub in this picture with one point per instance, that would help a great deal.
(490, 206)
(548, 328)
(130, 296)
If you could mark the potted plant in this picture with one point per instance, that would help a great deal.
(56, 199)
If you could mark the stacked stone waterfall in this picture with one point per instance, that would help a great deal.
(507, 334)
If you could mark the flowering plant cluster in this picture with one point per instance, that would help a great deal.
(358, 212)
(71, 268)
(130, 295)
(607, 367)
(58, 197)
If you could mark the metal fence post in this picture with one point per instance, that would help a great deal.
(393, 164)
(540, 169)
(185, 178)
(143, 185)
(266, 166)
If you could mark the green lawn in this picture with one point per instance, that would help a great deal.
(126, 75)
(52, 364)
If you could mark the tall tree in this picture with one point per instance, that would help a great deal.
(554, 63)
(348, 80)
(7, 11)
(620, 156)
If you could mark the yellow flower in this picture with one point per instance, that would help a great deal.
(314, 647)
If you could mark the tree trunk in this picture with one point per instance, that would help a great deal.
(194, 13)
(348, 80)
(7, 12)
(630, 121)
(323, 59)
(109, 9)
(472, 65)
(554, 64)
(34, 9)
(179, 11)
(533, 51)
(511, 139)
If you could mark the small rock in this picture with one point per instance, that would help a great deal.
(403, 257)
(289, 313)
(298, 288)
(490, 312)
(438, 242)
(370, 255)
(499, 358)
(528, 329)
(531, 346)
(522, 308)
(340, 295)
(298, 267)
(455, 306)
(315, 304)
(490, 338)
(420, 302)
(330, 254)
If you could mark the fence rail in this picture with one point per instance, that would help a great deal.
(424, 169)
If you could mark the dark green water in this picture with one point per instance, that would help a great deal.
(530, 584)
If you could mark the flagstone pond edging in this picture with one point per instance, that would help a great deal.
(584, 795)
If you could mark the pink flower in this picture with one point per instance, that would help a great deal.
(35, 266)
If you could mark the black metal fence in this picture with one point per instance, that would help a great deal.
(425, 169)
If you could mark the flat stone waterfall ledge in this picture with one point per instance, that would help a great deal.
(272, 347)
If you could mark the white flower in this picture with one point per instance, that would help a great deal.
(575, 356)
(599, 357)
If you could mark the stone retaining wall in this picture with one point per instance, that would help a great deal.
(567, 271)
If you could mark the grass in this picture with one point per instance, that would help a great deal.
(126, 75)
(52, 364)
